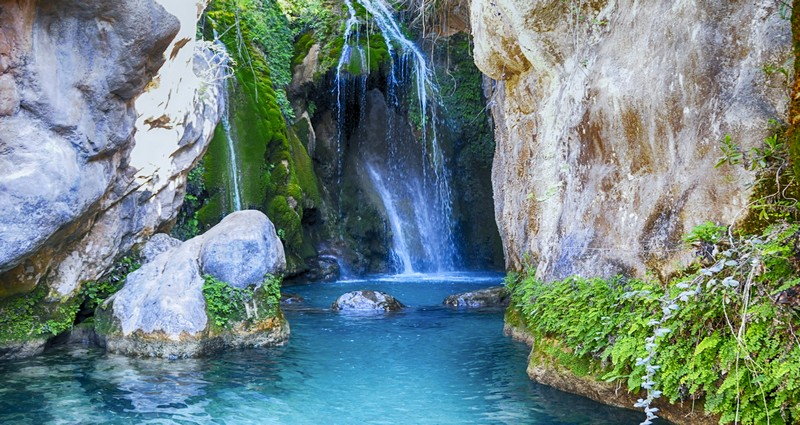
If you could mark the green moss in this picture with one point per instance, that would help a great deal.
(25, 317)
(546, 350)
(272, 168)
(374, 46)
(287, 221)
(301, 48)
(187, 225)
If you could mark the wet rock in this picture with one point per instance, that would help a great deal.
(496, 296)
(367, 300)
(161, 310)
(322, 268)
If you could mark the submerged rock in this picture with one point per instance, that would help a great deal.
(161, 311)
(366, 300)
(496, 296)
(292, 299)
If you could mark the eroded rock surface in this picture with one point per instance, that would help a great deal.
(609, 121)
(161, 311)
(367, 300)
(79, 188)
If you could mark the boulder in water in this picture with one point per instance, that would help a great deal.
(367, 300)
(241, 251)
(496, 296)
(162, 311)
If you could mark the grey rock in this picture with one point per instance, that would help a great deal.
(496, 296)
(242, 249)
(78, 186)
(18, 350)
(161, 311)
(367, 300)
(157, 244)
(78, 115)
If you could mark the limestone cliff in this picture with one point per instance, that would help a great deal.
(101, 117)
(609, 116)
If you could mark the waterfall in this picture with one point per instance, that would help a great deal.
(235, 196)
(412, 181)
(400, 251)
(232, 183)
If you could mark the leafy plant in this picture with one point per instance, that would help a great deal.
(95, 292)
(226, 304)
(712, 334)
(706, 232)
(731, 153)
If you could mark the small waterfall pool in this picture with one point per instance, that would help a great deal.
(426, 365)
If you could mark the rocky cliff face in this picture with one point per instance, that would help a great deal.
(609, 116)
(101, 118)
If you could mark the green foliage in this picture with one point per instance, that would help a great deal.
(187, 224)
(724, 339)
(274, 165)
(227, 305)
(224, 302)
(96, 291)
(263, 35)
(775, 189)
(280, 211)
(706, 232)
(25, 317)
(731, 153)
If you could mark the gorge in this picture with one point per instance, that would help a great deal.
(170, 170)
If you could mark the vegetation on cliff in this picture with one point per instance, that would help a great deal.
(722, 333)
(276, 174)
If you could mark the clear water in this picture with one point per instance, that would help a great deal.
(425, 365)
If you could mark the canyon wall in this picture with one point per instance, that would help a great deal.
(101, 118)
(609, 117)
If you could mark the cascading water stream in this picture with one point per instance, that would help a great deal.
(400, 251)
(233, 168)
(416, 196)
(234, 195)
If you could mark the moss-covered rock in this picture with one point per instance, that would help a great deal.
(28, 320)
(275, 171)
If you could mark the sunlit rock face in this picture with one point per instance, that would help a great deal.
(101, 118)
(609, 117)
